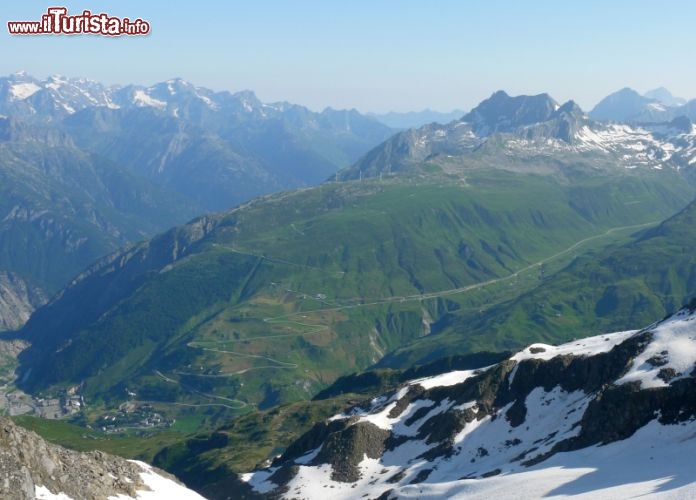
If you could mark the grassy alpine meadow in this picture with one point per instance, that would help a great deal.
(625, 285)
(290, 291)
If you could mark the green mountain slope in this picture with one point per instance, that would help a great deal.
(272, 301)
(622, 288)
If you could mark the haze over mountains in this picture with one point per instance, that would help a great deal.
(337, 245)
(86, 168)
(627, 105)
(414, 119)
(190, 126)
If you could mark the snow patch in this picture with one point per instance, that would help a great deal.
(21, 91)
(142, 99)
(447, 379)
(43, 493)
(655, 462)
(671, 355)
(589, 346)
(161, 488)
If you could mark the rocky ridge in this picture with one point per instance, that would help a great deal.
(532, 133)
(547, 404)
(31, 467)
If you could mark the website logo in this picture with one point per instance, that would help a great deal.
(56, 21)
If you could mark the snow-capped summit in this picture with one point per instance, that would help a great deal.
(176, 92)
(576, 419)
(50, 99)
(58, 96)
(513, 132)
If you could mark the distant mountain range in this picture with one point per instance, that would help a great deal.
(86, 168)
(216, 148)
(531, 133)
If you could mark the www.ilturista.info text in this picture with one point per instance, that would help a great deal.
(56, 21)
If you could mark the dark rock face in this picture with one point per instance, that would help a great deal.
(345, 449)
(502, 113)
(311, 440)
(592, 399)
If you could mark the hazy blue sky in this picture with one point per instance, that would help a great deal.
(377, 55)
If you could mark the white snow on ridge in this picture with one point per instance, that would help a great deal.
(655, 462)
(67, 107)
(247, 105)
(142, 99)
(491, 454)
(650, 145)
(43, 493)
(161, 488)
(447, 379)
(613, 136)
(207, 100)
(21, 91)
(656, 106)
(673, 349)
(589, 346)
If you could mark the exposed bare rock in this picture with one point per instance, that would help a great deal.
(18, 300)
(28, 463)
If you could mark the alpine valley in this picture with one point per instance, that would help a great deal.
(79, 177)
(355, 336)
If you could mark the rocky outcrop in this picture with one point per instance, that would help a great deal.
(345, 450)
(27, 462)
(18, 300)
(504, 419)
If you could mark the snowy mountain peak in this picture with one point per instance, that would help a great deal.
(21, 91)
(142, 98)
(530, 128)
(172, 87)
(532, 426)
(52, 98)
